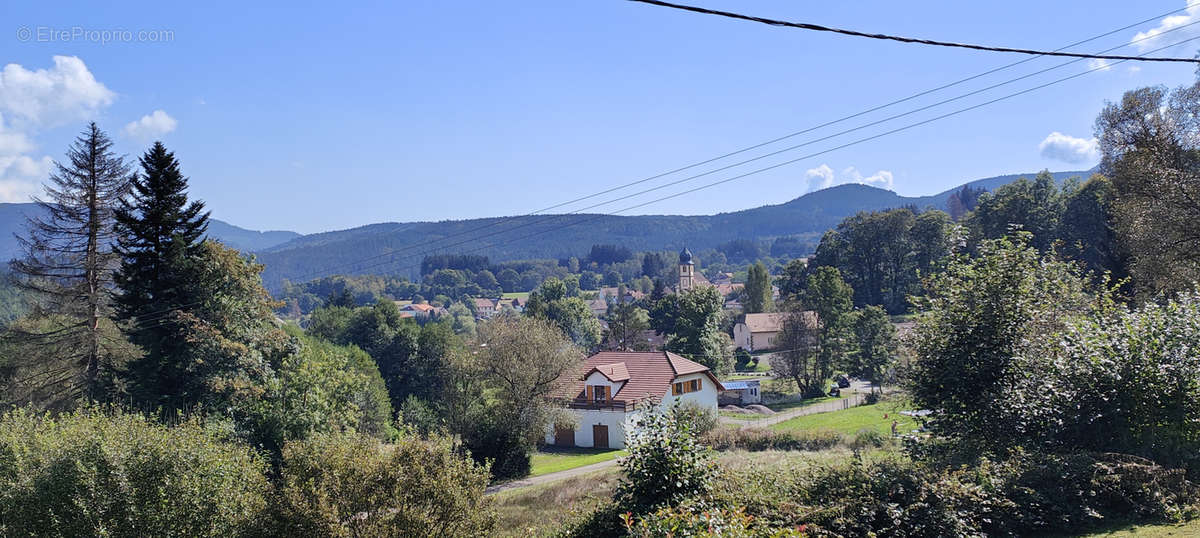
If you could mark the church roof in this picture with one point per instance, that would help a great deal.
(685, 257)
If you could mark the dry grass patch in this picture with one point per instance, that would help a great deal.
(539, 510)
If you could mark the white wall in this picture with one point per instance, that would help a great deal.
(598, 378)
(741, 336)
(617, 422)
(706, 397)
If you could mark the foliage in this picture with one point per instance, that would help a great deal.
(757, 293)
(882, 254)
(345, 485)
(987, 321)
(359, 289)
(666, 464)
(701, 521)
(500, 390)
(809, 353)
(759, 439)
(875, 339)
(1027, 494)
(570, 314)
(233, 344)
(1034, 206)
(158, 234)
(1130, 382)
(699, 419)
(66, 263)
(1148, 141)
(101, 473)
(626, 321)
(692, 321)
(321, 387)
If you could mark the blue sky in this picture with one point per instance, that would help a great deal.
(320, 118)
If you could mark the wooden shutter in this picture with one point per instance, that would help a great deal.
(589, 393)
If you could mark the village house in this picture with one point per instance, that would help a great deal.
(758, 332)
(484, 308)
(605, 394)
(421, 310)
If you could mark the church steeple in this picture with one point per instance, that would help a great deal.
(687, 270)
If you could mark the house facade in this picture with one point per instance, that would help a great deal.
(757, 332)
(607, 395)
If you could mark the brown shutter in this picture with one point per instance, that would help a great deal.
(589, 393)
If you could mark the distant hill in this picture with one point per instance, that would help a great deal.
(12, 221)
(397, 248)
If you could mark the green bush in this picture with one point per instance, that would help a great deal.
(666, 464)
(703, 522)
(758, 439)
(699, 419)
(1028, 494)
(868, 438)
(351, 485)
(101, 473)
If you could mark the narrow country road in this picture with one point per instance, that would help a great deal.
(550, 477)
(856, 396)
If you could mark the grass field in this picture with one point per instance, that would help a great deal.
(876, 417)
(522, 295)
(552, 460)
(778, 407)
(538, 510)
(1191, 528)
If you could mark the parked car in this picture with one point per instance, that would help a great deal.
(843, 382)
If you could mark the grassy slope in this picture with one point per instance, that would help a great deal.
(1191, 528)
(850, 421)
(552, 460)
(538, 510)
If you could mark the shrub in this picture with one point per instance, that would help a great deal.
(700, 419)
(104, 473)
(1028, 494)
(704, 522)
(666, 465)
(758, 439)
(349, 485)
(868, 438)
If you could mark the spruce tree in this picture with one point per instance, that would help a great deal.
(67, 263)
(158, 232)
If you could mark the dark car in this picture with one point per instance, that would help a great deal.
(843, 382)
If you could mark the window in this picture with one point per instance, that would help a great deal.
(599, 393)
(685, 387)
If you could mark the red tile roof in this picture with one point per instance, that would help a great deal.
(649, 374)
(614, 372)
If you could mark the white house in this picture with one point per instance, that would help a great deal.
(606, 394)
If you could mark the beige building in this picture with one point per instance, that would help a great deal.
(759, 331)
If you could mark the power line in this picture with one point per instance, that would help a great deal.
(500, 221)
(819, 28)
(696, 176)
(805, 157)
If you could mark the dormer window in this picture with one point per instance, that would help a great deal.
(685, 387)
(599, 393)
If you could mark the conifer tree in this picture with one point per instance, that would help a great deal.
(158, 232)
(67, 262)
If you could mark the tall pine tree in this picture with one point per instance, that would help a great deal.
(67, 263)
(158, 232)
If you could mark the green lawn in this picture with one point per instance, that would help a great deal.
(778, 408)
(551, 459)
(1191, 528)
(850, 421)
(522, 295)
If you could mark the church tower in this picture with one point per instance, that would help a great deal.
(687, 270)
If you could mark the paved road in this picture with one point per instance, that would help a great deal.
(550, 477)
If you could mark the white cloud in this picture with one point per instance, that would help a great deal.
(1061, 147)
(1154, 38)
(64, 93)
(152, 125)
(823, 177)
(31, 100)
(881, 179)
(1099, 64)
(819, 178)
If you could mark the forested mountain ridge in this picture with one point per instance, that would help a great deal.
(397, 248)
(12, 221)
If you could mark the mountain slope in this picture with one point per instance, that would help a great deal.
(397, 248)
(12, 221)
